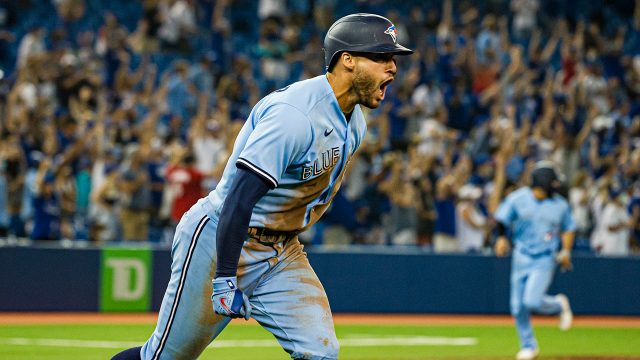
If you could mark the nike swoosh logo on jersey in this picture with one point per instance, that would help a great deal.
(327, 132)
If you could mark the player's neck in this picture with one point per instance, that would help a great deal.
(343, 91)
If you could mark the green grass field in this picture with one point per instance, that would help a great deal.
(82, 341)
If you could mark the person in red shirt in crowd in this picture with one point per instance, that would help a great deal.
(185, 183)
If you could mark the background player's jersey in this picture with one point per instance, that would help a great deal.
(536, 225)
(299, 141)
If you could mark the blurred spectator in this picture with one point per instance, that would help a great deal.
(66, 188)
(524, 17)
(471, 223)
(185, 183)
(4, 214)
(201, 75)
(179, 93)
(426, 211)
(70, 10)
(106, 215)
(579, 195)
(208, 141)
(14, 169)
(613, 238)
(111, 39)
(272, 51)
(432, 136)
(4, 206)
(447, 188)
(83, 198)
(634, 211)
(143, 40)
(178, 22)
(599, 200)
(401, 192)
(136, 196)
(488, 45)
(156, 166)
(272, 8)
(46, 205)
(31, 45)
(6, 37)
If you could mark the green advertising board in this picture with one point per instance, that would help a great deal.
(125, 276)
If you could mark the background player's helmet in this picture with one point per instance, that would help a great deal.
(368, 33)
(545, 176)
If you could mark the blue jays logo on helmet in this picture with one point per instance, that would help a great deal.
(391, 31)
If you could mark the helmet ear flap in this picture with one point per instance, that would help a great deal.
(333, 60)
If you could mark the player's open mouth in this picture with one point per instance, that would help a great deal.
(383, 88)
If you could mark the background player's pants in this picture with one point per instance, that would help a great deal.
(287, 297)
(530, 280)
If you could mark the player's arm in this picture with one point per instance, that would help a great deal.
(281, 134)
(502, 244)
(564, 256)
(246, 190)
(504, 217)
(567, 238)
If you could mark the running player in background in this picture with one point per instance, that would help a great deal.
(287, 165)
(539, 222)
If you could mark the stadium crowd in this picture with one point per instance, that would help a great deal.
(116, 116)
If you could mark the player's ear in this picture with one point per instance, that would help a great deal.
(348, 60)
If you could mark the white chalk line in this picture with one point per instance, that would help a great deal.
(348, 342)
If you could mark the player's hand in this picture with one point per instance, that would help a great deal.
(564, 260)
(501, 247)
(228, 300)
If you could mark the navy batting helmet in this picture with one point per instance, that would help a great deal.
(545, 176)
(368, 33)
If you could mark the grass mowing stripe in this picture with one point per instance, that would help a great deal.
(98, 344)
(494, 342)
(409, 341)
(357, 342)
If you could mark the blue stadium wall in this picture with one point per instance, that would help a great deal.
(48, 279)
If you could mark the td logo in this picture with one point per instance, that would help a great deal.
(128, 278)
(125, 276)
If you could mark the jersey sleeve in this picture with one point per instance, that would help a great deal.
(280, 136)
(506, 213)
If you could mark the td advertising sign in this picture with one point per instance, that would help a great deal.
(125, 279)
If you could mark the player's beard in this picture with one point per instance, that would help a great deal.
(366, 88)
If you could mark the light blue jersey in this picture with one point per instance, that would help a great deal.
(536, 224)
(299, 141)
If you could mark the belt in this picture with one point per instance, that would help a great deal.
(271, 236)
(537, 255)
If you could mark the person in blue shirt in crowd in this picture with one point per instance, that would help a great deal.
(539, 222)
(46, 206)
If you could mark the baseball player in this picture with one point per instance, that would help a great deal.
(287, 165)
(540, 223)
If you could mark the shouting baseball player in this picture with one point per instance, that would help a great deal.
(287, 164)
(541, 223)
